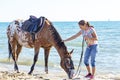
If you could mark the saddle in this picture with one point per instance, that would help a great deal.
(33, 25)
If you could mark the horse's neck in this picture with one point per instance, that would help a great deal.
(57, 41)
(61, 50)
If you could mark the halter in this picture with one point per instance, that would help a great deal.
(71, 66)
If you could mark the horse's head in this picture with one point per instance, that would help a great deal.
(67, 64)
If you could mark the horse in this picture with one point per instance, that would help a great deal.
(45, 38)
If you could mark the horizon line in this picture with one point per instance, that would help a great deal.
(76, 21)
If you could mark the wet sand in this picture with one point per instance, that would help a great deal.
(7, 73)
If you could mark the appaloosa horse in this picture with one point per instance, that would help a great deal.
(46, 38)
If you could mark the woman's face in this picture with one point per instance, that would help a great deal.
(82, 27)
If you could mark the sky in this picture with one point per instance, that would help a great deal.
(60, 10)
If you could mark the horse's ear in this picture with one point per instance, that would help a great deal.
(71, 51)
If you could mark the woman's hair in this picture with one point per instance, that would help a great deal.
(83, 22)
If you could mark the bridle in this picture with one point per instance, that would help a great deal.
(68, 65)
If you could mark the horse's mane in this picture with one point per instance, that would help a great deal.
(57, 37)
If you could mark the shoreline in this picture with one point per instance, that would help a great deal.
(7, 73)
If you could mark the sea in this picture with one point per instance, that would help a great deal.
(107, 58)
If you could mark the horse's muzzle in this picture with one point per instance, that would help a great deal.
(71, 73)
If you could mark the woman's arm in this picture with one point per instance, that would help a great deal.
(73, 37)
(94, 36)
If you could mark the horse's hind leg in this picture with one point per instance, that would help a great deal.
(35, 59)
(14, 55)
(46, 55)
(19, 47)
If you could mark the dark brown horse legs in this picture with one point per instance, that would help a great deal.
(46, 54)
(35, 60)
(16, 67)
(14, 54)
(15, 63)
(19, 48)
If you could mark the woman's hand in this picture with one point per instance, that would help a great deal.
(63, 40)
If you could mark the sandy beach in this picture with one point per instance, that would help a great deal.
(7, 73)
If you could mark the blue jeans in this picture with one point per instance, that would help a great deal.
(90, 52)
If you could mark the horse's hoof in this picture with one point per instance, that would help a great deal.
(18, 72)
(29, 73)
(46, 72)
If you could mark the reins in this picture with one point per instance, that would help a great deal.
(80, 61)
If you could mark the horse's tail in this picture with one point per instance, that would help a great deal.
(10, 50)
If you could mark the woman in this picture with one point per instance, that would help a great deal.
(91, 39)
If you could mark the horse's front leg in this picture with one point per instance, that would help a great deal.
(46, 55)
(35, 59)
